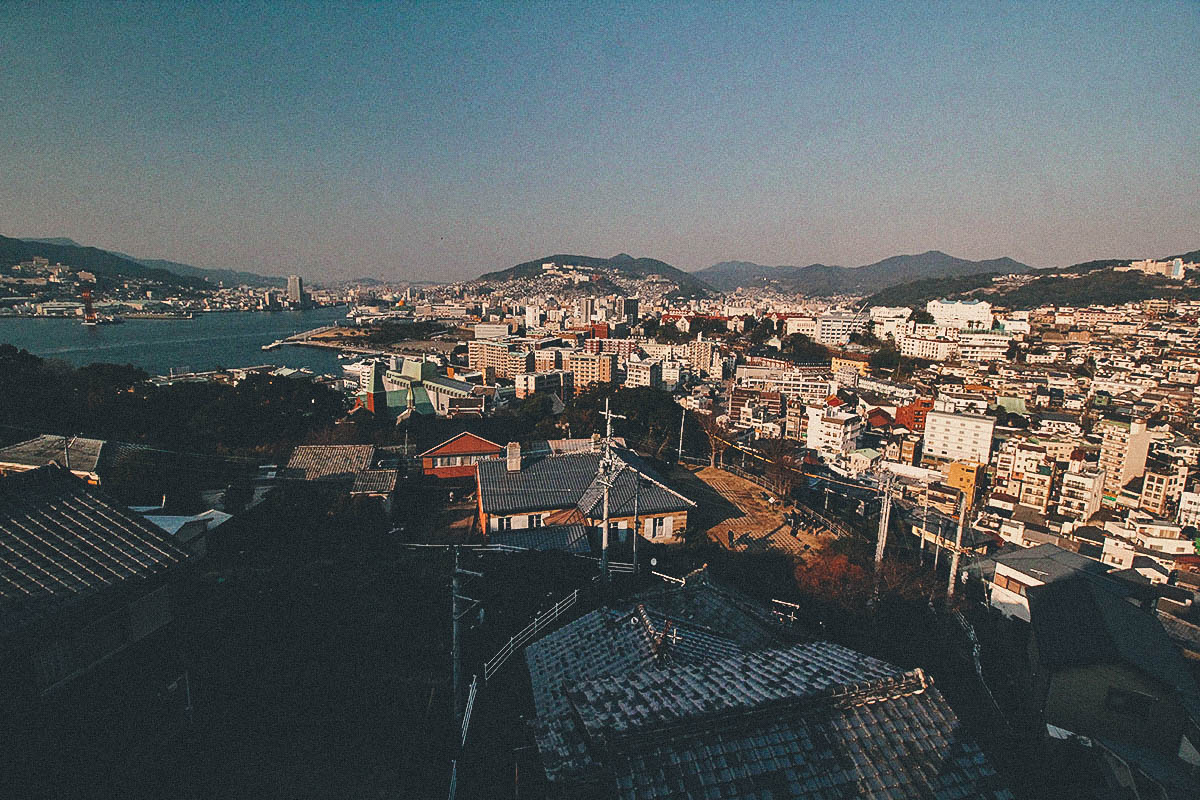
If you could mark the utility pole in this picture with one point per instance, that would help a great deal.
(637, 533)
(682, 419)
(885, 512)
(67, 452)
(962, 524)
(457, 612)
(456, 642)
(606, 480)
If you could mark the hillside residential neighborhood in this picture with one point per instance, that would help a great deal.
(599, 401)
(1034, 469)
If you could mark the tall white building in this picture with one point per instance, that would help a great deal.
(295, 289)
(983, 346)
(958, 437)
(835, 327)
(1081, 493)
(1123, 450)
(962, 314)
(833, 430)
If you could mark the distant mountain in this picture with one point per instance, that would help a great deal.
(102, 262)
(822, 279)
(623, 264)
(227, 277)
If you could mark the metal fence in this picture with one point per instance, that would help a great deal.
(518, 641)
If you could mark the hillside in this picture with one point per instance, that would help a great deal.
(228, 277)
(103, 263)
(822, 279)
(622, 264)
(1088, 283)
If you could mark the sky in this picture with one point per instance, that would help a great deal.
(437, 141)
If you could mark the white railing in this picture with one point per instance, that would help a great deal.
(669, 578)
(453, 779)
(528, 632)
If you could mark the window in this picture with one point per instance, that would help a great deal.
(504, 523)
(1011, 584)
(535, 521)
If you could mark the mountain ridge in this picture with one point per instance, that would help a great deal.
(825, 279)
(104, 263)
(209, 274)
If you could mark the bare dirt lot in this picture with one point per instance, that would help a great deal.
(729, 503)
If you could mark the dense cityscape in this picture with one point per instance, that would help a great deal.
(369, 510)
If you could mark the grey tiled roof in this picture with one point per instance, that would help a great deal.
(634, 709)
(45, 449)
(703, 603)
(569, 538)
(329, 462)
(60, 538)
(570, 480)
(375, 481)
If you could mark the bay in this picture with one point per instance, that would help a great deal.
(207, 341)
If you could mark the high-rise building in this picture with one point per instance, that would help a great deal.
(1123, 450)
(627, 310)
(585, 309)
(295, 289)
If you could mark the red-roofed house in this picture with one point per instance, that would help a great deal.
(457, 456)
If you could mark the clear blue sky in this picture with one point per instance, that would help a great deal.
(438, 141)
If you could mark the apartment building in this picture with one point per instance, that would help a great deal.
(957, 437)
(504, 358)
(592, 368)
(1125, 444)
(1081, 493)
(980, 346)
(644, 373)
(1162, 484)
(559, 382)
(927, 348)
(833, 430)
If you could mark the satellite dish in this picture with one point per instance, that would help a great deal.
(654, 562)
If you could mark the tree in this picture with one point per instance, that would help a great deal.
(886, 358)
(921, 317)
(715, 432)
(763, 329)
(800, 348)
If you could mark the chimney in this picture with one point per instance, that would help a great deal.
(595, 443)
(512, 454)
